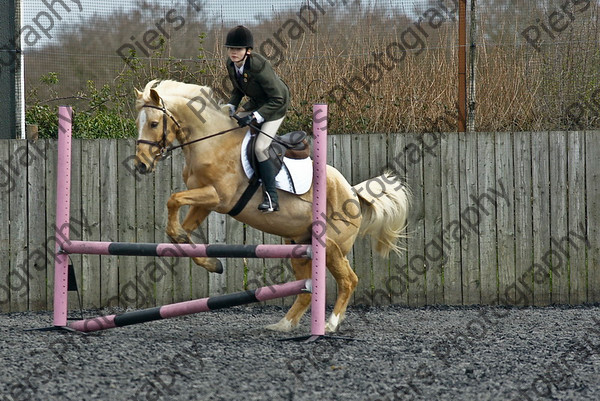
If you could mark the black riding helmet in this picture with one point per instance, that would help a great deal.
(240, 36)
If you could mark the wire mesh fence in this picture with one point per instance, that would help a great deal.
(383, 66)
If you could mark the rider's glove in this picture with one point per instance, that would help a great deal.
(247, 120)
(231, 109)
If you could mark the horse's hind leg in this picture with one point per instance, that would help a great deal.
(302, 270)
(346, 279)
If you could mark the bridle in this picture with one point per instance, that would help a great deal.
(164, 148)
(162, 144)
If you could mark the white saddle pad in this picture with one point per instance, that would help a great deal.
(299, 179)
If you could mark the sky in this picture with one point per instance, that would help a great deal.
(82, 10)
(227, 12)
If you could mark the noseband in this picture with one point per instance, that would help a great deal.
(162, 144)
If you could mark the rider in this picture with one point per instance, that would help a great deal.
(268, 99)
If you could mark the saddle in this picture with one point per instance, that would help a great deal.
(293, 145)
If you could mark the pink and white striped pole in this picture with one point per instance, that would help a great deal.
(63, 201)
(319, 236)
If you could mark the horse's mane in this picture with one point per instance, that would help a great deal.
(175, 88)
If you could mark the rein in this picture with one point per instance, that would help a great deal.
(164, 150)
(162, 144)
(171, 148)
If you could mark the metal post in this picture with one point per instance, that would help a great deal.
(462, 66)
(472, 70)
(10, 65)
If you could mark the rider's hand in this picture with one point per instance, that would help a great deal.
(247, 120)
(231, 109)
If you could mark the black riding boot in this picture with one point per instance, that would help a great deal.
(267, 174)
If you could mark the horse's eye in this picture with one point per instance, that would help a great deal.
(153, 124)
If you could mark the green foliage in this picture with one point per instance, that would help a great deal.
(103, 118)
(107, 111)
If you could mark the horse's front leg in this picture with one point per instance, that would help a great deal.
(192, 220)
(200, 201)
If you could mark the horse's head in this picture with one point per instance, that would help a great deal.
(157, 130)
(170, 110)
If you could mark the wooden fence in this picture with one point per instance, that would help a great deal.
(496, 218)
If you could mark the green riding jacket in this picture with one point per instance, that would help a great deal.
(267, 93)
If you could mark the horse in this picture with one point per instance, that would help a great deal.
(211, 142)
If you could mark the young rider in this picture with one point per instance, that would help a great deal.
(268, 99)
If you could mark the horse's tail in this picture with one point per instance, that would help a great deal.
(384, 203)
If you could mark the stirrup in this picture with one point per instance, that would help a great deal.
(268, 206)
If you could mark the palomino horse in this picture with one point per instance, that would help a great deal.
(213, 173)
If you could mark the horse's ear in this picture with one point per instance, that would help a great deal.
(138, 93)
(154, 96)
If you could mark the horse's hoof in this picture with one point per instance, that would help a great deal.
(212, 265)
(333, 324)
(329, 329)
(179, 239)
(219, 267)
(283, 325)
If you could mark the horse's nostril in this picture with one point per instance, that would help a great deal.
(141, 168)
